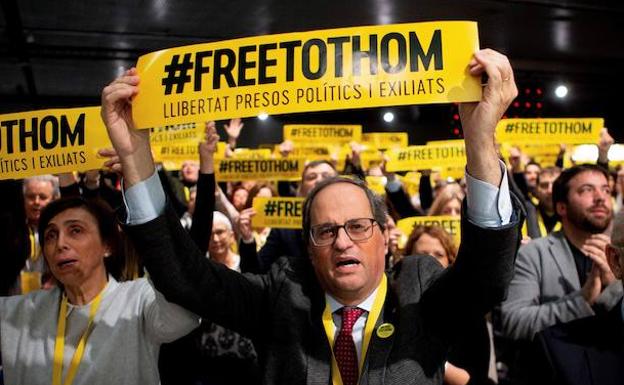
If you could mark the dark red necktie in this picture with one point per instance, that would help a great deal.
(344, 347)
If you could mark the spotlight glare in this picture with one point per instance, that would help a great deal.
(263, 116)
(561, 91)
(388, 117)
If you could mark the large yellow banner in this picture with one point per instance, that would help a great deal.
(282, 213)
(551, 130)
(51, 141)
(358, 67)
(445, 154)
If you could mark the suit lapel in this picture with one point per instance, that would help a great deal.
(319, 359)
(562, 254)
(379, 348)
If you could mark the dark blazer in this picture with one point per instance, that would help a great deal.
(586, 351)
(280, 242)
(282, 310)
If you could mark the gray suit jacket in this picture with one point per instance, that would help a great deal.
(281, 311)
(545, 289)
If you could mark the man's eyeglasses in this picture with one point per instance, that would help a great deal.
(358, 229)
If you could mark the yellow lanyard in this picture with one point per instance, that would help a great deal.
(542, 227)
(59, 346)
(371, 321)
(34, 250)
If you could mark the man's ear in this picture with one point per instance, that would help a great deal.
(561, 209)
(386, 235)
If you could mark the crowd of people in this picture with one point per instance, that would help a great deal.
(138, 274)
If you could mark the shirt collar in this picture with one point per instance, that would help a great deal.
(367, 304)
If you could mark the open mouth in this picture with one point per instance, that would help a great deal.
(347, 262)
(65, 264)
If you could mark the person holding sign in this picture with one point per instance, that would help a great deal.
(91, 329)
(335, 317)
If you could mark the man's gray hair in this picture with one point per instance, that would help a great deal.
(53, 180)
(377, 203)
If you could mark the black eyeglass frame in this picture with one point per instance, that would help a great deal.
(368, 232)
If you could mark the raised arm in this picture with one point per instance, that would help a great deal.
(479, 119)
(132, 145)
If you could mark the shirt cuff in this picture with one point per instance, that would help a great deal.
(144, 201)
(393, 185)
(488, 205)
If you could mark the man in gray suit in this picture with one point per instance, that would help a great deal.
(336, 316)
(565, 276)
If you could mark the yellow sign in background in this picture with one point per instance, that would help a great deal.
(232, 170)
(314, 134)
(281, 213)
(51, 141)
(358, 67)
(451, 224)
(385, 140)
(446, 154)
(551, 130)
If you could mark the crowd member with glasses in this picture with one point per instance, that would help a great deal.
(336, 316)
(281, 242)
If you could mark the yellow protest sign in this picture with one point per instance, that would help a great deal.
(232, 170)
(282, 213)
(370, 157)
(306, 152)
(555, 130)
(411, 182)
(248, 153)
(174, 144)
(357, 67)
(448, 154)
(451, 172)
(173, 156)
(377, 184)
(304, 134)
(451, 224)
(51, 141)
(384, 140)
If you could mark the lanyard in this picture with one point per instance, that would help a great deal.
(34, 250)
(542, 227)
(59, 346)
(371, 321)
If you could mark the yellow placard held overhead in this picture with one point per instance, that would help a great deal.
(357, 67)
(551, 130)
(377, 184)
(232, 170)
(175, 144)
(309, 153)
(282, 213)
(385, 140)
(251, 153)
(313, 134)
(451, 224)
(51, 142)
(448, 154)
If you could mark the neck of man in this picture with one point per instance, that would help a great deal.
(546, 211)
(85, 292)
(575, 235)
(353, 298)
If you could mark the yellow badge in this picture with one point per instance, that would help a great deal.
(385, 330)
